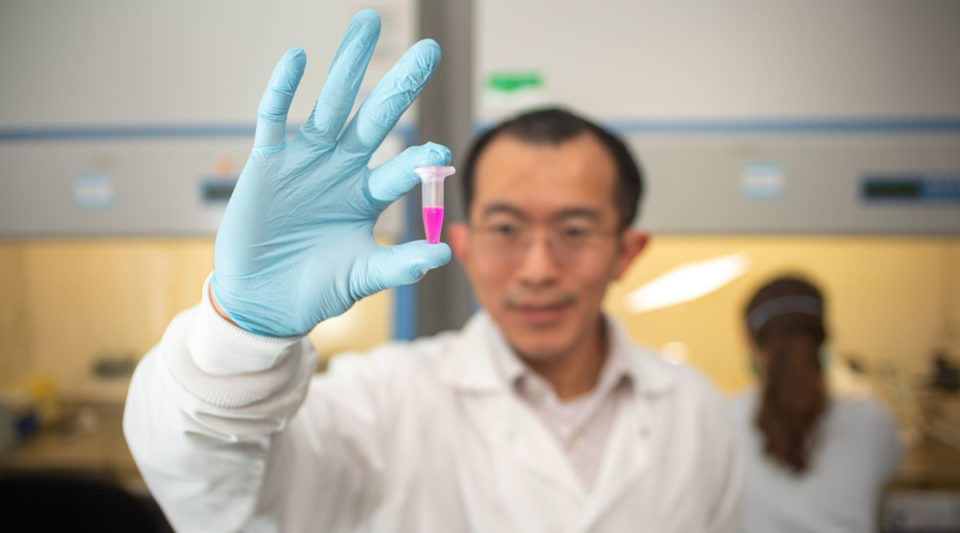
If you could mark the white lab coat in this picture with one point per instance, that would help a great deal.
(419, 437)
(856, 453)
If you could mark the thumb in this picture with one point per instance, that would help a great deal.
(392, 266)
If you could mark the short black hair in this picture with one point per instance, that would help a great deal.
(554, 126)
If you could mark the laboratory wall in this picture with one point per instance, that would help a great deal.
(735, 59)
(123, 127)
(750, 116)
(762, 129)
(135, 118)
(750, 120)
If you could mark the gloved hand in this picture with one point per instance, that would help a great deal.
(296, 245)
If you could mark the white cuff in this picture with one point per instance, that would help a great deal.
(225, 366)
(221, 348)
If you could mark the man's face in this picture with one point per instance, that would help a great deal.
(543, 241)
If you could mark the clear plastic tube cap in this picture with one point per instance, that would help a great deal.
(431, 180)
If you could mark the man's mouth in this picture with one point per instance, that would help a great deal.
(540, 312)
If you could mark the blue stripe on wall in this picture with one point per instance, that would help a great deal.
(853, 125)
(625, 126)
(150, 131)
(747, 125)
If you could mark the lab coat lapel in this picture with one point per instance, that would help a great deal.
(512, 427)
(498, 414)
(626, 460)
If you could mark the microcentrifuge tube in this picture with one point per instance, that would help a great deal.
(431, 186)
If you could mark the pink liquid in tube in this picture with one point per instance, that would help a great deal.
(431, 179)
(432, 223)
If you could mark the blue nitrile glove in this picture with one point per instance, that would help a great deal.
(296, 245)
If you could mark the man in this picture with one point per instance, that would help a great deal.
(537, 416)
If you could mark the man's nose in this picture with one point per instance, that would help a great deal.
(537, 264)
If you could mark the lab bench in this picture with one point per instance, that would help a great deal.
(78, 465)
(94, 447)
(925, 494)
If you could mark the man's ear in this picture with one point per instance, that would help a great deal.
(632, 242)
(457, 239)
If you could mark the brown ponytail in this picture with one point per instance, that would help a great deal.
(785, 321)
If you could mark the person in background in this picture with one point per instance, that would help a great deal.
(813, 462)
(538, 416)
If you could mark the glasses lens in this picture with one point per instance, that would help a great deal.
(509, 243)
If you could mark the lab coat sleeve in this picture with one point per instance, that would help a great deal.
(212, 421)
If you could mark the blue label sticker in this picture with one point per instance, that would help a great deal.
(762, 180)
(93, 191)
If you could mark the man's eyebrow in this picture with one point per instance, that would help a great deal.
(564, 214)
(578, 212)
(502, 208)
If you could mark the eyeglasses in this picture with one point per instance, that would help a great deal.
(567, 243)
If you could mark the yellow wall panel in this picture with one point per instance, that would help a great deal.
(67, 303)
(14, 350)
(952, 302)
(95, 298)
(891, 301)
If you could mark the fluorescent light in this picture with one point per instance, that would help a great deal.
(687, 282)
